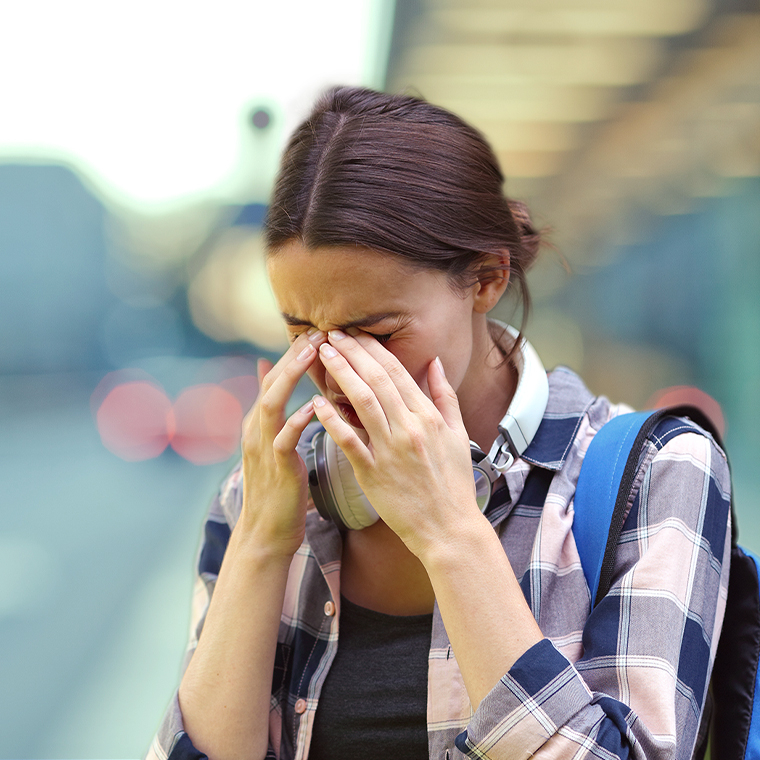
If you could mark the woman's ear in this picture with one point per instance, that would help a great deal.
(492, 283)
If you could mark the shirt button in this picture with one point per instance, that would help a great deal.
(329, 609)
(301, 706)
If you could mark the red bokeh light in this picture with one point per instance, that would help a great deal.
(135, 420)
(236, 374)
(678, 395)
(245, 388)
(208, 422)
(114, 379)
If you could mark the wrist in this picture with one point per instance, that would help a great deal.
(258, 546)
(470, 536)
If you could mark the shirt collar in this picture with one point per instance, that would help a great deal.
(569, 401)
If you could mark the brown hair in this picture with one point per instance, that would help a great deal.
(397, 174)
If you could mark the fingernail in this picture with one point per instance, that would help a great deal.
(327, 350)
(314, 333)
(336, 334)
(353, 331)
(307, 408)
(439, 365)
(305, 353)
(318, 401)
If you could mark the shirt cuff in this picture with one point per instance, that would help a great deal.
(541, 692)
(183, 749)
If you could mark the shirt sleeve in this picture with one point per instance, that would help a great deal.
(640, 686)
(171, 742)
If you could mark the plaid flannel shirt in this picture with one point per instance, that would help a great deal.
(628, 680)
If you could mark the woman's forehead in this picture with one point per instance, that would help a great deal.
(338, 271)
(336, 259)
(348, 287)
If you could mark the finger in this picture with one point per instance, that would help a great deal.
(444, 397)
(394, 387)
(268, 374)
(413, 396)
(263, 368)
(276, 393)
(284, 444)
(342, 433)
(272, 372)
(360, 394)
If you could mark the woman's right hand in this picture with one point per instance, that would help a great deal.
(225, 692)
(275, 482)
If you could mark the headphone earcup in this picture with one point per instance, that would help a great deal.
(355, 510)
(333, 486)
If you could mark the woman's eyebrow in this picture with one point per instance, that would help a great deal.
(366, 321)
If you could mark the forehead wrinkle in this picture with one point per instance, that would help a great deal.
(366, 321)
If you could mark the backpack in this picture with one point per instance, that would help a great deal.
(601, 498)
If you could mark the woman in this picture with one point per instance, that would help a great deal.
(461, 631)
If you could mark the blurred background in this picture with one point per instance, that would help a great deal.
(138, 144)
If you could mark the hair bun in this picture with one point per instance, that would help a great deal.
(530, 236)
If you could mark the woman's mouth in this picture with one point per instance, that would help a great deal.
(349, 414)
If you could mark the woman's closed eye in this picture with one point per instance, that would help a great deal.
(379, 338)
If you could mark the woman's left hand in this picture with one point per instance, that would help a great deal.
(416, 471)
(416, 468)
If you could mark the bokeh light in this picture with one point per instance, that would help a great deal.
(136, 420)
(208, 424)
(229, 297)
(689, 395)
(151, 120)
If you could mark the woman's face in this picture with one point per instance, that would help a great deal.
(414, 313)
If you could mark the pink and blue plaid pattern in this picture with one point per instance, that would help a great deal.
(626, 681)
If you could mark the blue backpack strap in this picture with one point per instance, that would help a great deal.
(601, 498)
(597, 491)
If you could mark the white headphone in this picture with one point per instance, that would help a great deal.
(338, 497)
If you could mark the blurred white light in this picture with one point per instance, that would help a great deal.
(151, 98)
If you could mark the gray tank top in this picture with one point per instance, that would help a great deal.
(373, 703)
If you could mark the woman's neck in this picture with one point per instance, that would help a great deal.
(486, 392)
(378, 572)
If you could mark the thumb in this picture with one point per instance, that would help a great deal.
(444, 396)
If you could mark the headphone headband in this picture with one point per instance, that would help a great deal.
(526, 410)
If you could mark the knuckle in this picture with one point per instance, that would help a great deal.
(451, 393)
(365, 399)
(293, 423)
(338, 361)
(266, 384)
(344, 440)
(451, 397)
(428, 418)
(268, 405)
(377, 377)
(415, 438)
(396, 370)
(292, 368)
(279, 447)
